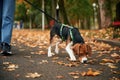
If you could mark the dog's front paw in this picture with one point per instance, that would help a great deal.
(51, 54)
(57, 50)
(72, 59)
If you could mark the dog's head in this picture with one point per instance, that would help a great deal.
(83, 51)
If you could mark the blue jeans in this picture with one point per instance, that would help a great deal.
(7, 9)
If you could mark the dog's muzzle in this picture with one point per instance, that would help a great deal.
(84, 60)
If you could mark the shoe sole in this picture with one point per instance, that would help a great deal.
(6, 53)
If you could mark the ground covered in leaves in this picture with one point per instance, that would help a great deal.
(30, 61)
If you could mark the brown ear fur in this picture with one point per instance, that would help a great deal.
(89, 50)
(75, 48)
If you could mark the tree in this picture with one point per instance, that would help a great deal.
(118, 11)
(73, 12)
(21, 12)
(79, 11)
(105, 12)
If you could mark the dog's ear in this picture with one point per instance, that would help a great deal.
(75, 48)
(89, 50)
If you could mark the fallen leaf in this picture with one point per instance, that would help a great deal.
(74, 73)
(32, 52)
(76, 77)
(107, 61)
(60, 63)
(11, 67)
(27, 56)
(5, 63)
(55, 58)
(17, 75)
(59, 77)
(93, 61)
(112, 66)
(114, 78)
(83, 73)
(91, 72)
(33, 75)
(70, 65)
(116, 72)
(115, 55)
(43, 61)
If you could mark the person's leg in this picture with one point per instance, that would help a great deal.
(7, 25)
(1, 7)
(7, 20)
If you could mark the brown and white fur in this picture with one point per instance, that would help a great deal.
(74, 44)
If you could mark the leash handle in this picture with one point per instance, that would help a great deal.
(40, 10)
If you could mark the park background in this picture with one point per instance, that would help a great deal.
(99, 24)
(83, 14)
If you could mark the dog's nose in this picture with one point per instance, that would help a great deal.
(85, 61)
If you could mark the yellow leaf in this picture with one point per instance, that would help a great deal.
(74, 73)
(107, 60)
(59, 77)
(60, 63)
(90, 72)
(115, 55)
(83, 73)
(33, 75)
(76, 77)
(5, 63)
(112, 66)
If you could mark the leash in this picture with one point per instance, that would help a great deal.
(51, 18)
(41, 10)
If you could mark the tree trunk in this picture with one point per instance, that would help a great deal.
(88, 22)
(118, 12)
(47, 18)
(53, 8)
(82, 24)
(99, 18)
(105, 13)
(63, 12)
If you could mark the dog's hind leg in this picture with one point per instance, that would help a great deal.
(50, 54)
(56, 46)
(50, 47)
(70, 51)
(49, 51)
